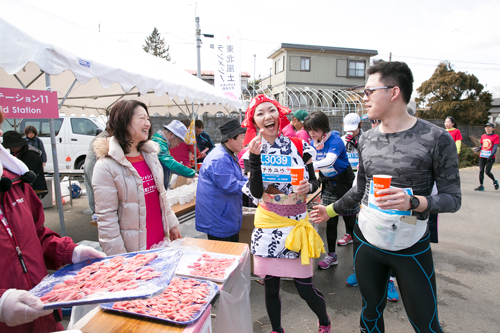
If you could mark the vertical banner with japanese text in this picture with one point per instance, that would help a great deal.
(228, 59)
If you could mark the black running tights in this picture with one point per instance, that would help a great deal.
(331, 230)
(307, 292)
(484, 165)
(414, 270)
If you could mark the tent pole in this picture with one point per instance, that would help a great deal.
(195, 142)
(66, 96)
(57, 180)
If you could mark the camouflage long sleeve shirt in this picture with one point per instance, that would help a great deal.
(415, 158)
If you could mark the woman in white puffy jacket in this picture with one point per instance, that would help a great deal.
(130, 200)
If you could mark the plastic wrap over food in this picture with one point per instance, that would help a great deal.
(165, 264)
(150, 312)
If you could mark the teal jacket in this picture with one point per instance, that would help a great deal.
(167, 160)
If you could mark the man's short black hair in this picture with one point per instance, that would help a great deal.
(317, 120)
(198, 123)
(394, 73)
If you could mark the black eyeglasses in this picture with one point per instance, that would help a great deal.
(374, 121)
(368, 91)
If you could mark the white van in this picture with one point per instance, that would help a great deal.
(73, 136)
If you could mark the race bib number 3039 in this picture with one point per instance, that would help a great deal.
(276, 168)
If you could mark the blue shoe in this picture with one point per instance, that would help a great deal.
(392, 293)
(495, 183)
(479, 188)
(351, 280)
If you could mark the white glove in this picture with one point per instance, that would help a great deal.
(19, 307)
(82, 253)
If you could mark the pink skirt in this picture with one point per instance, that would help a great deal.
(282, 267)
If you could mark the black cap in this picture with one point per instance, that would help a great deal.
(230, 129)
(490, 124)
(12, 139)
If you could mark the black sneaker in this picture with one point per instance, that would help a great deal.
(479, 188)
(495, 183)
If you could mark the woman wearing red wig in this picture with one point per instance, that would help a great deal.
(283, 240)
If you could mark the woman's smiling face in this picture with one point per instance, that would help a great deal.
(266, 117)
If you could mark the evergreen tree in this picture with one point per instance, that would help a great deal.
(155, 45)
(456, 94)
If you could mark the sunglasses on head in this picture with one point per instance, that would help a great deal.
(375, 121)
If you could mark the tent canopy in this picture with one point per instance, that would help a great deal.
(34, 40)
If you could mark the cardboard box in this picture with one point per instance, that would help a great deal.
(247, 226)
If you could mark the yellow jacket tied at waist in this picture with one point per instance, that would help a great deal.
(303, 238)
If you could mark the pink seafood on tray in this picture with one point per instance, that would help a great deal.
(118, 274)
(179, 302)
(210, 267)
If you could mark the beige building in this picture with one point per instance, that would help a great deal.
(315, 77)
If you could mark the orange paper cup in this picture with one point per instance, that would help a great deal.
(198, 166)
(381, 182)
(297, 176)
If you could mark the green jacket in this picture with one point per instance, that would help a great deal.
(167, 159)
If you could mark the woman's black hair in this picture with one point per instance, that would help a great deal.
(120, 117)
(317, 120)
(452, 121)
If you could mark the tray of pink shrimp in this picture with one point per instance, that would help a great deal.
(116, 278)
(183, 302)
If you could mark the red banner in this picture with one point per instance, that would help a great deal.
(25, 103)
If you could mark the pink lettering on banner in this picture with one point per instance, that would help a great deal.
(26, 103)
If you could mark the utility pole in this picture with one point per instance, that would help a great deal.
(198, 47)
(390, 56)
(254, 64)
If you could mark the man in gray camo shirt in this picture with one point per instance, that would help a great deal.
(416, 154)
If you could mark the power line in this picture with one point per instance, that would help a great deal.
(465, 62)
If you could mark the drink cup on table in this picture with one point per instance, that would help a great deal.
(297, 175)
(381, 182)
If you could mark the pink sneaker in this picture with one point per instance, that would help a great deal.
(324, 329)
(330, 260)
(283, 330)
(347, 239)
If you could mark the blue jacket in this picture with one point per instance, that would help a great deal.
(219, 195)
(204, 141)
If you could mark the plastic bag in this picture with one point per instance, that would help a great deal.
(180, 243)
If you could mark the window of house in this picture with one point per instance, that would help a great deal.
(278, 66)
(302, 64)
(83, 126)
(356, 68)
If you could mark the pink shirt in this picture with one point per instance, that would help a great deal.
(154, 224)
(289, 131)
(302, 134)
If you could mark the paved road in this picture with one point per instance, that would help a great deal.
(467, 264)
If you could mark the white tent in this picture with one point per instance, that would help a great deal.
(39, 50)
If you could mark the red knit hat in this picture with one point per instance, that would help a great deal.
(248, 121)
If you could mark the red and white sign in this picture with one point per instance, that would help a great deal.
(25, 103)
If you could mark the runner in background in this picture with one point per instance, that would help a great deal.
(336, 176)
(296, 127)
(489, 145)
(352, 129)
(451, 127)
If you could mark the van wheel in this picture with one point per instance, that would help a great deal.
(80, 164)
